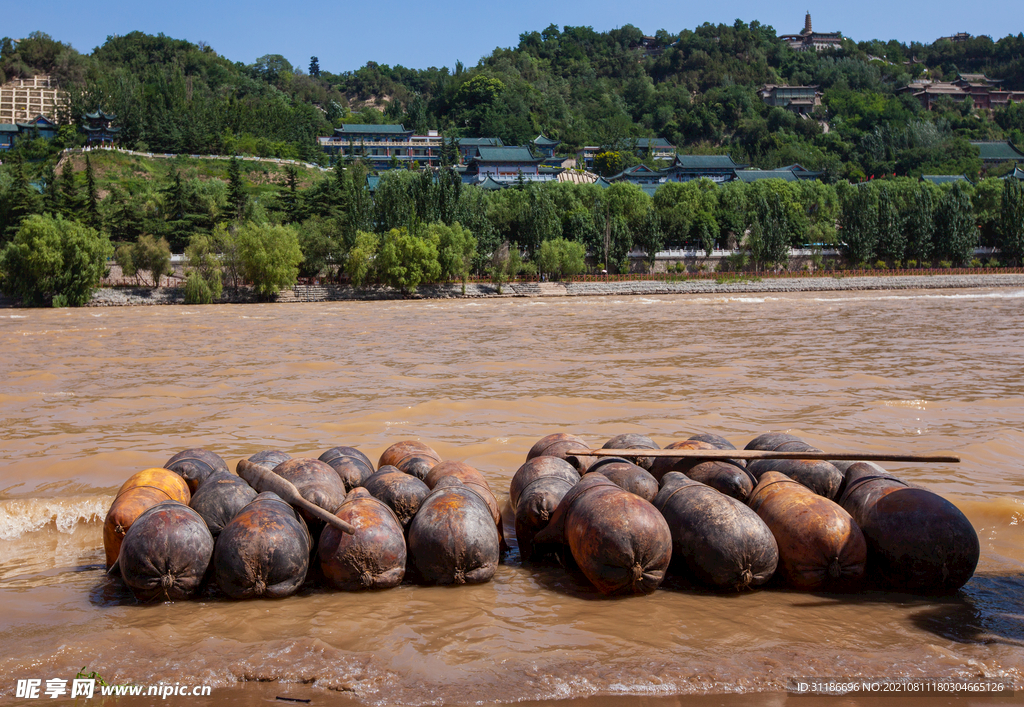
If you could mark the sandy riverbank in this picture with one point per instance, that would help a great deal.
(115, 297)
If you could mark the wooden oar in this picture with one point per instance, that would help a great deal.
(761, 454)
(263, 479)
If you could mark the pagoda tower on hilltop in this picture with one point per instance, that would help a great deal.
(98, 128)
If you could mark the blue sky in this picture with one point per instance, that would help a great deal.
(345, 35)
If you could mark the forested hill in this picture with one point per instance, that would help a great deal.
(697, 88)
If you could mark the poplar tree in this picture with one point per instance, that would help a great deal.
(891, 239)
(92, 200)
(1011, 221)
(920, 225)
(957, 234)
(237, 198)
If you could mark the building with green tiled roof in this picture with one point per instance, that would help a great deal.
(545, 146)
(98, 129)
(997, 151)
(1017, 173)
(717, 168)
(755, 175)
(941, 179)
(8, 133)
(506, 165)
(659, 148)
(469, 147)
(640, 174)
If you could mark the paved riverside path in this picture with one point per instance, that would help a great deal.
(114, 297)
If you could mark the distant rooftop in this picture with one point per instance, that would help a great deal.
(998, 151)
(945, 178)
(360, 129)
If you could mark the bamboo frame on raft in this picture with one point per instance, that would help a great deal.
(762, 454)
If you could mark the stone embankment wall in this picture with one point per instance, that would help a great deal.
(114, 297)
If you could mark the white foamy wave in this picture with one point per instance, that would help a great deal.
(25, 515)
(1016, 294)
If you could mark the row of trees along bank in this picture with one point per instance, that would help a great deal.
(420, 227)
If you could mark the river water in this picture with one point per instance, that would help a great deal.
(88, 397)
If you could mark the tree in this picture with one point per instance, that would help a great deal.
(360, 261)
(954, 225)
(92, 200)
(237, 198)
(314, 67)
(54, 262)
(152, 256)
(320, 245)
(650, 237)
(769, 234)
(891, 239)
(124, 256)
(1011, 221)
(203, 282)
(859, 232)
(289, 196)
(124, 222)
(225, 240)
(456, 250)
(394, 201)
(269, 256)
(506, 262)
(405, 260)
(920, 224)
(23, 201)
(561, 258)
(70, 199)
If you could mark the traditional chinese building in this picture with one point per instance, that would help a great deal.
(799, 99)
(544, 146)
(659, 148)
(506, 165)
(994, 152)
(8, 134)
(98, 128)
(717, 168)
(469, 147)
(641, 175)
(385, 145)
(1017, 173)
(40, 127)
(810, 41)
(983, 91)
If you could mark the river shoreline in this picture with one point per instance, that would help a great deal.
(118, 297)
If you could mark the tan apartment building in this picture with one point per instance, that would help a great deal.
(22, 100)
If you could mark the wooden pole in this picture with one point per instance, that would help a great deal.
(263, 479)
(762, 454)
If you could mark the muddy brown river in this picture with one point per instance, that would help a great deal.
(90, 396)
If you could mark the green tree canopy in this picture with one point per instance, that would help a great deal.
(54, 261)
(269, 256)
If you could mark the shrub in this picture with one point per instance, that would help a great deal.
(911, 264)
(197, 291)
(946, 264)
(51, 261)
(269, 257)
(880, 265)
(203, 283)
(975, 263)
(992, 263)
(405, 260)
(561, 258)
